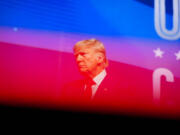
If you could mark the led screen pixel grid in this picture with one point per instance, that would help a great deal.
(127, 28)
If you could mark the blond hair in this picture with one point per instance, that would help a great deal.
(95, 44)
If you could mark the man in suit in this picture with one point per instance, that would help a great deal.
(98, 85)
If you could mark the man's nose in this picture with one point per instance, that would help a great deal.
(79, 58)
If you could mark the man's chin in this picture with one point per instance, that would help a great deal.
(84, 72)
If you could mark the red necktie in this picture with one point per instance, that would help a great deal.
(88, 89)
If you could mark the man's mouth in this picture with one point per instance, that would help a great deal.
(81, 65)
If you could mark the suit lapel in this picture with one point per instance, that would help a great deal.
(103, 89)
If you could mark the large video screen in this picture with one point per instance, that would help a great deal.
(115, 56)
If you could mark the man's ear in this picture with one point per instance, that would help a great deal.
(100, 57)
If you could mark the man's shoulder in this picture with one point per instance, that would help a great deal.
(72, 88)
(115, 79)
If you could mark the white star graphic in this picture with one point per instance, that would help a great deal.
(177, 55)
(158, 53)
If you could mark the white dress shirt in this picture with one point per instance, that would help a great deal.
(98, 79)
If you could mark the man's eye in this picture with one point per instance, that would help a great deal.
(82, 54)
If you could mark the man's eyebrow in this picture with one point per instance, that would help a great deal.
(81, 53)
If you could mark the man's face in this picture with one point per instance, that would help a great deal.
(87, 59)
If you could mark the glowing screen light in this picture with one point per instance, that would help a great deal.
(142, 43)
